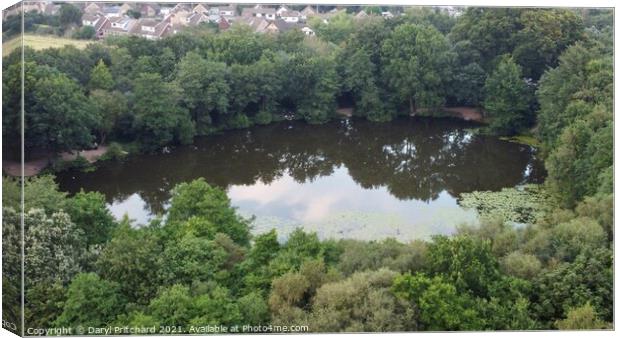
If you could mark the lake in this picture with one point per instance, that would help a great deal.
(345, 179)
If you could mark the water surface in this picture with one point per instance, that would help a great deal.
(344, 179)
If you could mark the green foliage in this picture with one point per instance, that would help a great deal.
(89, 212)
(569, 285)
(159, 120)
(263, 117)
(132, 256)
(465, 261)
(100, 77)
(199, 199)
(399, 257)
(508, 98)
(91, 301)
(61, 117)
(69, 14)
(199, 259)
(440, 306)
(581, 318)
(521, 265)
(361, 303)
(205, 88)
(416, 60)
(584, 153)
(85, 33)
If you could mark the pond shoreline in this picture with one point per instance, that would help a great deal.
(36, 166)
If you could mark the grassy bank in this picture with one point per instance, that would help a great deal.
(39, 42)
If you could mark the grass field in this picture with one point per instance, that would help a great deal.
(38, 42)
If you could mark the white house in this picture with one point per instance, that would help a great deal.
(267, 13)
(281, 10)
(290, 16)
(387, 15)
(308, 31)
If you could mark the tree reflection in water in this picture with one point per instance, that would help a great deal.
(412, 158)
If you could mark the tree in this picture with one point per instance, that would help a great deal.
(59, 117)
(543, 36)
(199, 199)
(192, 259)
(361, 303)
(581, 318)
(569, 92)
(89, 212)
(69, 14)
(440, 306)
(132, 256)
(319, 86)
(583, 154)
(100, 77)
(416, 60)
(174, 306)
(507, 98)
(521, 265)
(159, 120)
(205, 88)
(467, 86)
(466, 262)
(91, 302)
(359, 79)
(55, 247)
(109, 108)
(570, 285)
(85, 33)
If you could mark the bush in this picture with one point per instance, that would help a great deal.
(238, 121)
(263, 117)
(115, 152)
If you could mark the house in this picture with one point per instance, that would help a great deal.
(223, 24)
(290, 16)
(280, 26)
(227, 12)
(307, 12)
(90, 19)
(281, 10)
(51, 9)
(124, 8)
(258, 24)
(308, 31)
(387, 15)
(178, 15)
(151, 29)
(202, 9)
(92, 8)
(98, 21)
(149, 10)
(361, 15)
(267, 13)
(196, 19)
(111, 11)
(119, 26)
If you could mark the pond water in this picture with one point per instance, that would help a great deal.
(344, 179)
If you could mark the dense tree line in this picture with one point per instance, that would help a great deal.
(418, 62)
(200, 265)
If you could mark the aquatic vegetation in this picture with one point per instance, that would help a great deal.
(522, 204)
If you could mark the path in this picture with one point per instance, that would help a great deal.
(466, 113)
(34, 167)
